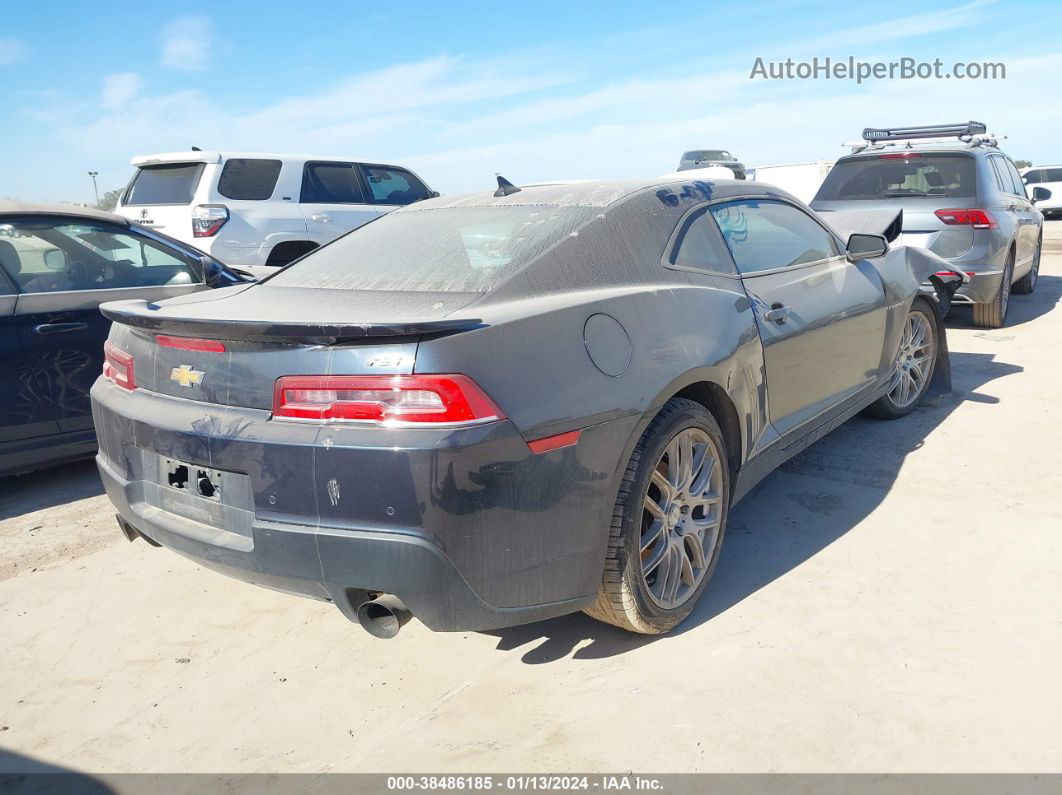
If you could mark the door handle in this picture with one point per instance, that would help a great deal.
(324, 219)
(777, 313)
(59, 328)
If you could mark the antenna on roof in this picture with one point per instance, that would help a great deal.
(505, 188)
(196, 149)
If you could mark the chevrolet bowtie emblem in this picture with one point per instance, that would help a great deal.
(186, 376)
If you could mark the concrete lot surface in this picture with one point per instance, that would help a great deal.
(889, 601)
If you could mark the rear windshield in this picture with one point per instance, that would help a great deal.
(170, 183)
(889, 176)
(452, 249)
(248, 179)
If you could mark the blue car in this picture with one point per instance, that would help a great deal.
(58, 263)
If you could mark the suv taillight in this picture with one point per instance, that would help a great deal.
(118, 366)
(207, 219)
(384, 399)
(978, 219)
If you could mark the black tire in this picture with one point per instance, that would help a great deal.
(994, 313)
(890, 406)
(1027, 283)
(624, 598)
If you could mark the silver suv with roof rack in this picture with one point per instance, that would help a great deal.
(961, 198)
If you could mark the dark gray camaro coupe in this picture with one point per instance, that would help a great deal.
(497, 408)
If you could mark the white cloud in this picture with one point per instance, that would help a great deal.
(12, 51)
(457, 121)
(119, 88)
(186, 43)
(908, 27)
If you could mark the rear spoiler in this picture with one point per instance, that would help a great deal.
(132, 313)
(195, 156)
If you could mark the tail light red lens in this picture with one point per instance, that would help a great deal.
(384, 399)
(207, 219)
(118, 366)
(899, 156)
(978, 219)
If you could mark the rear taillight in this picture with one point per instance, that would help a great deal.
(384, 399)
(899, 156)
(118, 366)
(207, 219)
(978, 219)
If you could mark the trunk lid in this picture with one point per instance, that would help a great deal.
(161, 193)
(266, 334)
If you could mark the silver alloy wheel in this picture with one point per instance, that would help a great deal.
(681, 517)
(1035, 267)
(914, 360)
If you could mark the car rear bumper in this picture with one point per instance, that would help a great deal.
(981, 289)
(468, 528)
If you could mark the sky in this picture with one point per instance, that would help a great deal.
(459, 91)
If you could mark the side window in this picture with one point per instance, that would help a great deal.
(1002, 177)
(1034, 176)
(7, 260)
(57, 255)
(393, 185)
(763, 235)
(699, 245)
(331, 183)
(1017, 186)
(249, 179)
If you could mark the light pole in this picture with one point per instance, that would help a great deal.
(95, 190)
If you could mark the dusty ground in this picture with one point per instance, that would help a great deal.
(890, 601)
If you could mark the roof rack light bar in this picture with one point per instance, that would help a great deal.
(969, 128)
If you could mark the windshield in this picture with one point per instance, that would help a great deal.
(889, 176)
(171, 183)
(453, 249)
(707, 154)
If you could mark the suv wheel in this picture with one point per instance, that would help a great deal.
(994, 313)
(668, 523)
(1027, 283)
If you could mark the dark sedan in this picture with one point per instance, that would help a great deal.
(58, 262)
(497, 408)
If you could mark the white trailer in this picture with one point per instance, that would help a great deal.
(800, 179)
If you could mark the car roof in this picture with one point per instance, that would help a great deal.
(960, 149)
(9, 207)
(595, 193)
(217, 155)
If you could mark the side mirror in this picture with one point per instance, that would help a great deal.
(212, 270)
(55, 260)
(862, 246)
(1040, 194)
(434, 194)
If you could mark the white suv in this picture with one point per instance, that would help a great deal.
(1050, 179)
(254, 209)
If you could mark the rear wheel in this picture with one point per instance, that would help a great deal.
(668, 523)
(994, 313)
(1027, 283)
(912, 369)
